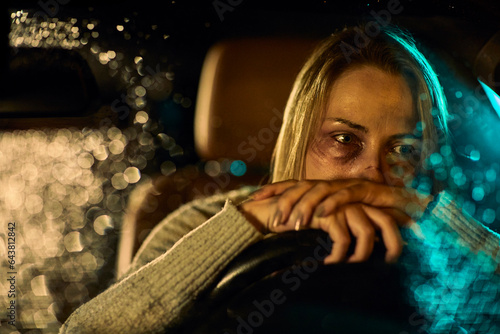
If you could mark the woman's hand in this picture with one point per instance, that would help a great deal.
(300, 200)
(342, 208)
(352, 220)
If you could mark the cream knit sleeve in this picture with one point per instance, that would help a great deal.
(154, 295)
(451, 264)
(445, 215)
(180, 222)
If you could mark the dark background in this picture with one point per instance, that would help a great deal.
(193, 27)
(450, 32)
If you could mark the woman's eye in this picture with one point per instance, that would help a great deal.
(344, 138)
(404, 153)
(404, 149)
(342, 145)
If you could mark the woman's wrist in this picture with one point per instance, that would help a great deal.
(245, 208)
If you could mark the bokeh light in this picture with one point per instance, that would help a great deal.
(65, 209)
(67, 189)
(238, 168)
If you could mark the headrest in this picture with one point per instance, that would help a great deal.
(243, 90)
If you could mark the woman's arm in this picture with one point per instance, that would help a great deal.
(180, 222)
(319, 198)
(452, 266)
(149, 298)
(445, 215)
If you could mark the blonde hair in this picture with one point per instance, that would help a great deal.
(391, 50)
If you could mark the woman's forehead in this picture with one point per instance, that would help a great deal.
(367, 95)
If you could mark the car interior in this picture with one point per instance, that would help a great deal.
(113, 114)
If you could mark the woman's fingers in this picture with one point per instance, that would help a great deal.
(377, 195)
(390, 232)
(273, 189)
(316, 191)
(345, 209)
(288, 193)
(364, 232)
(298, 200)
(360, 222)
(302, 207)
(336, 227)
(401, 218)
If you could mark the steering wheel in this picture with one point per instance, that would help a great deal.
(280, 285)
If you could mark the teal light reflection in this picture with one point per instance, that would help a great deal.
(430, 76)
(238, 168)
(492, 96)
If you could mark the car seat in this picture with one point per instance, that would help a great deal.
(243, 90)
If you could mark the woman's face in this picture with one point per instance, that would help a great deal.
(367, 131)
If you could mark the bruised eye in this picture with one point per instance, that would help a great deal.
(343, 145)
(344, 138)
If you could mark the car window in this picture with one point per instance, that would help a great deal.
(100, 99)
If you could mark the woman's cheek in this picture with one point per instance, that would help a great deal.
(400, 174)
(328, 162)
(323, 152)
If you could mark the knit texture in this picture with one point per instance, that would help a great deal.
(451, 264)
(451, 261)
(154, 295)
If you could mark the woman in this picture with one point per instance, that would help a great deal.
(351, 159)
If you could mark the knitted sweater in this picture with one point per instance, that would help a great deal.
(187, 250)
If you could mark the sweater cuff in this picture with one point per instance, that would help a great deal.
(445, 212)
(240, 222)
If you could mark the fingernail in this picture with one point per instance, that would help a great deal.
(298, 222)
(319, 211)
(277, 218)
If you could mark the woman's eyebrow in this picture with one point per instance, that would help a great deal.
(348, 123)
(365, 130)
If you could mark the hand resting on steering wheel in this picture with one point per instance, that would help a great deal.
(345, 209)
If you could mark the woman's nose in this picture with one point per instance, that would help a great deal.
(371, 167)
(373, 173)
